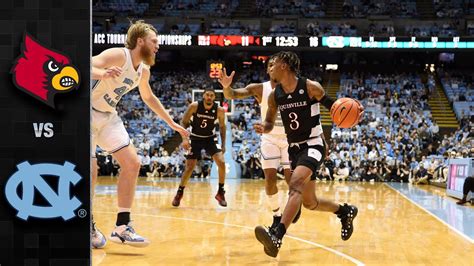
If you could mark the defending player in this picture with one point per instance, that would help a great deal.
(298, 99)
(204, 115)
(115, 72)
(274, 146)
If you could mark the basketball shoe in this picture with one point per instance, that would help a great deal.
(98, 239)
(347, 216)
(125, 234)
(221, 198)
(271, 242)
(177, 198)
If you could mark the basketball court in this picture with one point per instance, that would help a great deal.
(397, 224)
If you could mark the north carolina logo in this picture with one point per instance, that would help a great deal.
(42, 72)
(30, 176)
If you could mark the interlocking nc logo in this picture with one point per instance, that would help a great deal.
(30, 177)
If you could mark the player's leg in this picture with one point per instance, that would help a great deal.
(188, 171)
(219, 160)
(129, 163)
(285, 162)
(270, 160)
(272, 239)
(345, 212)
(98, 239)
(114, 138)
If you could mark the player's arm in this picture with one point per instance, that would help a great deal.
(155, 105)
(270, 117)
(186, 120)
(222, 126)
(316, 91)
(250, 90)
(253, 89)
(107, 64)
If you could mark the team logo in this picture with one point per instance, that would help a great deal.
(301, 91)
(30, 177)
(42, 72)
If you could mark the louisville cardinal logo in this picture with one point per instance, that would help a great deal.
(42, 72)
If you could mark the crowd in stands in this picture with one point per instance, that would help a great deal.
(327, 29)
(233, 27)
(448, 9)
(220, 8)
(314, 9)
(393, 8)
(396, 141)
(122, 7)
(444, 29)
(459, 88)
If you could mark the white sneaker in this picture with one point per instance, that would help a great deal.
(125, 234)
(98, 239)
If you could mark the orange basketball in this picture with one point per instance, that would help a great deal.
(345, 112)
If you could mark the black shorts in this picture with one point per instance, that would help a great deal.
(197, 145)
(309, 156)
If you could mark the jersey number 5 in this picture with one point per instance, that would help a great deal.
(294, 124)
(204, 123)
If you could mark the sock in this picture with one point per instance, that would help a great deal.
(280, 231)
(181, 189)
(221, 187)
(123, 218)
(341, 210)
(274, 202)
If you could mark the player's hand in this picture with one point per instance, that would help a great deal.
(361, 110)
(112, 72)
(181, 130)
(225, 80)
(258, 128)
(185, 144)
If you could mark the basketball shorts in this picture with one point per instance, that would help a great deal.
(274, 149)
(197, 145)
(108, 132)
(310, 154)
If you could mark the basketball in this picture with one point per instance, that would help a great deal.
(345, 112)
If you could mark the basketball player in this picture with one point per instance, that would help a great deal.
(204, 114)
(298, 100)
(274, 147)
(115, 72)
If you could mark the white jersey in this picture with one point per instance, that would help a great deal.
(107, 93)
(278, 128)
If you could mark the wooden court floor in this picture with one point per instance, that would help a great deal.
(389, 230)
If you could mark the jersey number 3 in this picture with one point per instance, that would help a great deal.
(294, 124)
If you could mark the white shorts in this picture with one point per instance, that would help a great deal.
(108, 131)
(274, 150)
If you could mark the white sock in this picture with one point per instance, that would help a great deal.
(123, 209)
(274, 202)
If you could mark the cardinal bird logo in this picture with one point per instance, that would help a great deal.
(42, 72)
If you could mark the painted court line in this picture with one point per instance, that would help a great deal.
(355, 261)
(437, 218)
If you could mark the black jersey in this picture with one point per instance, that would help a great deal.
(299, 113)
(203, 123)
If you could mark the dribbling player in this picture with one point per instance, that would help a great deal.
(274, 146)
(115, 72)
(204, 114)
(298, 100)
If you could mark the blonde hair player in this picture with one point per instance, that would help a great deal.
(115, 72)
(274, 146)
